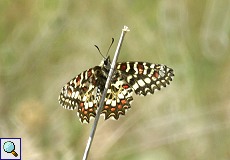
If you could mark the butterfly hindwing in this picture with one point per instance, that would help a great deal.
(118, 98)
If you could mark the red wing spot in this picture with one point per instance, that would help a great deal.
(123, 67)
(156, 74)
(78, 80)
(93, 81)
(119, 106)
(125, 86)
(85, 88)
(85, 112)
(140, 68)
(123, 101)
(113, 109)
(89, 72)
(106, 107)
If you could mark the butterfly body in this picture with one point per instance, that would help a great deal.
(83, 92)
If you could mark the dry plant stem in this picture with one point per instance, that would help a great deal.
(107, 84)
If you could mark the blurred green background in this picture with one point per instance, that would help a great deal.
(43, 44)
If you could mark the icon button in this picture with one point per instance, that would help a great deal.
(9, 147)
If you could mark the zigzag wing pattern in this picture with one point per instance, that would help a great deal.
(145, 77)
(84, 91)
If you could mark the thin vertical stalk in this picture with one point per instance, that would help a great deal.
(107, 84)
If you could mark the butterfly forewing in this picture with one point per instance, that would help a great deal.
(145, 77)
(84, 91)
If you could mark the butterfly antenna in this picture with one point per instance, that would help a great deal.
(110, 47)
(99, 51)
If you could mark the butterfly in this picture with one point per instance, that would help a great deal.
(83, 92)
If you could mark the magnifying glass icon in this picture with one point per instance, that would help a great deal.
(9, 147)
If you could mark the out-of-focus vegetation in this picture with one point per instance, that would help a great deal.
(43, 44)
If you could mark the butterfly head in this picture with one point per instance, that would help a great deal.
(106, 63)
